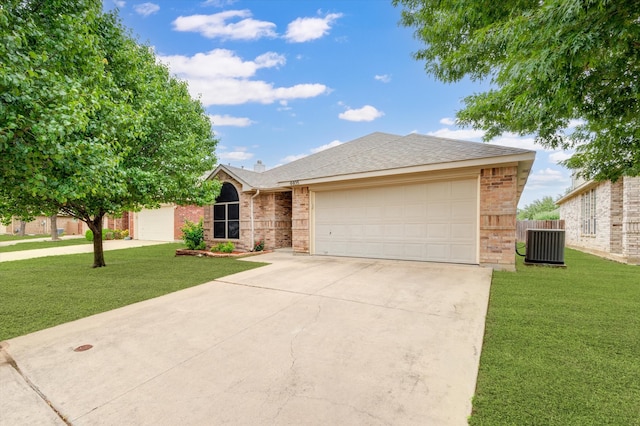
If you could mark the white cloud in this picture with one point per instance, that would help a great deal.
(221, 77)
(385, 78)
(240, 154)
(219, 63)
(366, 113)
(119, 3)
(448, 121)
(218, 3)
(463, 134)
(290, 158)
(515, 141)
(217, 25)
(307, 29)
(548, 178)
(507, 139)
(227, 120)
(558, 156)
(146, 9)
(326, 146)
(575, 123)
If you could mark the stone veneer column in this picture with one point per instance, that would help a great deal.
(498, 209)
(300, 219)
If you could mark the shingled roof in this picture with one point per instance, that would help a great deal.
(376, 152)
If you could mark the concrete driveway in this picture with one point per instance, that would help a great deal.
(303, 341)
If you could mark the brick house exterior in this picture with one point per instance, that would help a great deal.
(279, 206)
(603, 218)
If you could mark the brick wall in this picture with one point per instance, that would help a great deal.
(182, 214)
(617, 222)
(498, 205)
(631, 220)
(42, 225)
(616, 219)
(271, 218)
(606, 222)
(300, 220)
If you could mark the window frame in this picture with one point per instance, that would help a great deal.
(227, 222)
(588, 220)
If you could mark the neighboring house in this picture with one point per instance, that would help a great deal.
(603, 218)
(42, 225)
(162, 224)
(384, 196)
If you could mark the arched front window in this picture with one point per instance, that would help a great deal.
(226, 213)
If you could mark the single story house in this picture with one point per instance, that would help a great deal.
(162, 224)
(42, 225)
(387, 196)
(603, 218)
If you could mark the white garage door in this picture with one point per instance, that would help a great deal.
(155, 224)
(435, 221)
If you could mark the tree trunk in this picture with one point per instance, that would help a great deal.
(98, 253)
(23, 228)
(54, 227)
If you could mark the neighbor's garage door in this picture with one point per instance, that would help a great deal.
(435, 221)
(155, 225)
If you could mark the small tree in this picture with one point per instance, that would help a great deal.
(90, 123)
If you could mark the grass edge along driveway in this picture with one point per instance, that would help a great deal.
(562, 346)
(40, 293)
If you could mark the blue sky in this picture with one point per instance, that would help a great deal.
(282, 79)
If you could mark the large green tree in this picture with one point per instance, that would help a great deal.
(90, 123)
(549, 62)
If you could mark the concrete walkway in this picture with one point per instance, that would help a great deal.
(305, 340)
(84, 248)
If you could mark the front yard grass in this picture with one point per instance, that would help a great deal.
(562, 346)
(40, 293)
(33, 245)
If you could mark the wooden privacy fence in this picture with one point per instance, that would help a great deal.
(523, 225)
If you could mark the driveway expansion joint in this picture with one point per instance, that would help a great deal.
(12, 362)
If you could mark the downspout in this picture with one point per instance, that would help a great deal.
(253, 242)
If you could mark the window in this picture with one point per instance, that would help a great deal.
(588, 212)
(226, 214)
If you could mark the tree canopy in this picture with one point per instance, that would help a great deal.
(90, 123)
(551, 63)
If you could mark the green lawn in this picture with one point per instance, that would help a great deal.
(562, 346)
(40, 293)
(31, 245)
(9, 237)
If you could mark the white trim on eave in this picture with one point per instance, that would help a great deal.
(578, 190)
(245, 186)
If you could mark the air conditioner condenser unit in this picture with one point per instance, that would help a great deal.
(545, 246)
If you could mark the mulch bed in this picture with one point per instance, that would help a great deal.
(206, 253)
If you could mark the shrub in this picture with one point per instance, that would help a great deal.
(107, 234)
(193, 235)
(89, 235)
(259, 246)
(227, 247)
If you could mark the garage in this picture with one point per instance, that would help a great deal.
(428, 221)
(155, 224)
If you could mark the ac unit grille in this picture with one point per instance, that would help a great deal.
(545, 246)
